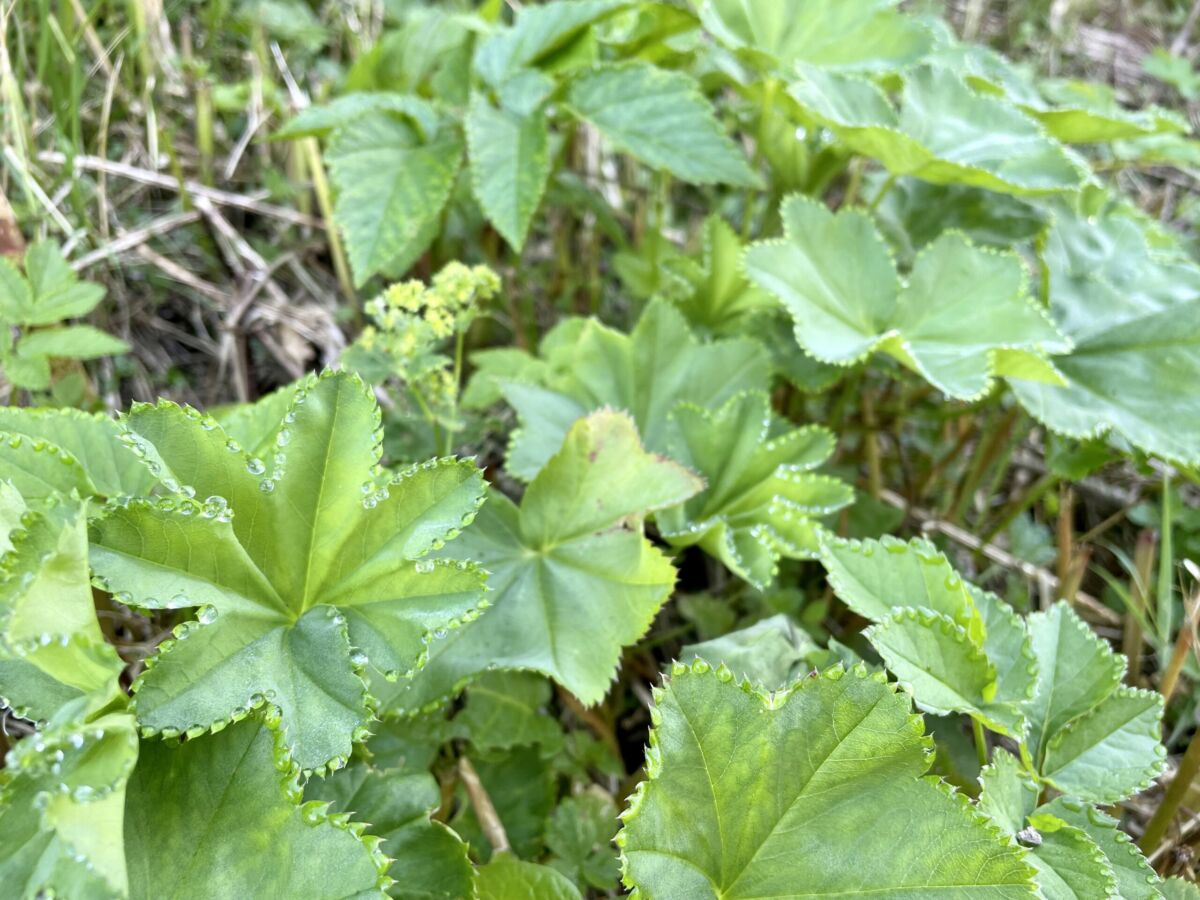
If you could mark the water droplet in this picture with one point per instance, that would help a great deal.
(207, 615)
(233, 446)
(358, 658)
(266, 485)
(424, 565)
(283, 438)
(255, 466)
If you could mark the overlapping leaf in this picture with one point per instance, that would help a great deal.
(646, 373)
(961, 649)
(52, 652)
(1090, 736)
(60, 450)
(224, 812)
(428, 860)
(770, 654)
(762, 501)
(1078, 851)
(306, 572)
(753, 795)
(962, 317)
(62, 808)
(856, 35)
(1134, 318)
(942, 132)
(571, 584)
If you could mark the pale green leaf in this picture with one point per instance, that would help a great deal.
(308, 573)
(71, 342)
(1135, 322)
(536, 33)
(55, 290)
(320, 120)
(1135, 879)
(52, 651)
(1008, 795)
(217, 812)
(429, 861)
(661, 118)
(755, 795)
(93, 440)
(761, 501)
(579, 833)
(507, 709)
(942, 132)
(961, 317)
(253, 425)
(62, 805)
(1071, 867)
(29, 372)
(510, 165)
(570, 585)
(646, 373)
(391, 191)
(856, 35)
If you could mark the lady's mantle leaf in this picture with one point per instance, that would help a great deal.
(1090, 737)
(942, 132)
(661, 118)
(758, 795)
(62, 804)
(855, 35)
(224, 812)
(507, 877)
(761, 501)
(646, 373)
(429, 861)
(1135, 322)
(770, 654)
(306, 571)
(52, 652)
(572, 584)
(961, 649)
(962, 318)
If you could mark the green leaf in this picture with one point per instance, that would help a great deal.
(320, 120)
(1088, 112)
(963, 317)
(225, 816)
(537, 32)
(1135, 879)
(55, 291)
(856, 35)
(1071, 866)
(1008, 796)
(1135, 321)
(770, 654)
(961, 649)
(579, 834)
(506, 709)
(29, 372)
(253, 425)
(52, 652)
(507, 877)
(1110, 752)
(62, 806)
(71, 342)
(92, 440)
(40, 470)
(1179, 888)
(646, 373)
(571, 586)
(762, 501)
(662, 119)
(428, 859)
(510, 165)
(914, 213)
(717, 297)
(391, 191)
(751, 795)
(942, 132)
(1090, 738)
(306, 573)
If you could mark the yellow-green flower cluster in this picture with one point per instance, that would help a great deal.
(448, 304)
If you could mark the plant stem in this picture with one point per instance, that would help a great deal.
(459, 340)
(871, 443)
(316, 168)
(883, 192)
(981, 747)
(485, 811)
(1189, 768)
